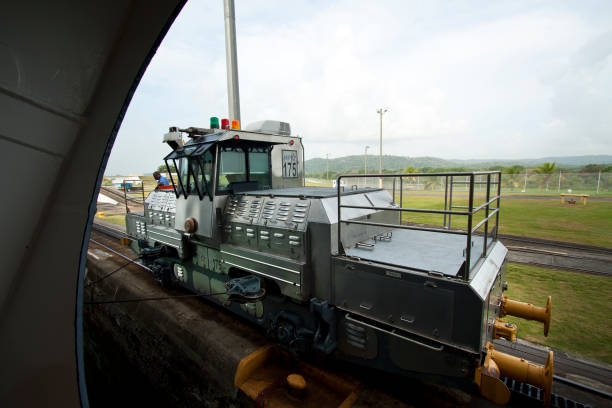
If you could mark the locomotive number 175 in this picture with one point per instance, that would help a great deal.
(290, 164)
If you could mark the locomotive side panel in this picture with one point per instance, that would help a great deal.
(396, 298)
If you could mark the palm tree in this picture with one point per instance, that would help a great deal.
(514, 180)
(547, 169)
(411, 169)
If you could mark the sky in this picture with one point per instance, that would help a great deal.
(460, 79)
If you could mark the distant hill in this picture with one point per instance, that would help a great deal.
(348, 163)
(570, 161)
(356, 162)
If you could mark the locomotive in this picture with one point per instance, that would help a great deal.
(335, 270)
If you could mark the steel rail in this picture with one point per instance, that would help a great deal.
(561, 244)
(583, 386)
(117, 193)
(119, 254)
(114, 232)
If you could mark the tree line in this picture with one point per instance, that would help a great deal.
(544, 168)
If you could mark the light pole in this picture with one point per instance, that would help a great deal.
(233, 93)
(327, 166)
(381, 112)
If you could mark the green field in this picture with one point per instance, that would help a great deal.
(582, 306)
(543, 218)
(550, 219)
(116, 219)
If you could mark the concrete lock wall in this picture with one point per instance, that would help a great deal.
(67, 72)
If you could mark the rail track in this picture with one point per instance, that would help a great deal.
(524, 250)
(118, 195)
(558, 254)
(523, 394)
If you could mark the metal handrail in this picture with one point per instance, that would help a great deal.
(484, 220)
(416, 210)
(410, 227)
(448, 211)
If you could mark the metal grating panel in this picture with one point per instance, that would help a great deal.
(534, 393)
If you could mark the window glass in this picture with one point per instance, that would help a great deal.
(183, 173)
(232, 167)
(207, 169)
(196, 177)
(259, 167)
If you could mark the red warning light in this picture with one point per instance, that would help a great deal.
(291, 143)
(225, 124)
(236, 137)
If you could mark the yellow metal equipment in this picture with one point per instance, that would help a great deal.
(272, 378)
(527, 311)
(297, 384)
(499, 364)
(504, 330)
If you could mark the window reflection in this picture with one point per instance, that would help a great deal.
(232, 167)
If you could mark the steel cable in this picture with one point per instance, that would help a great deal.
(144, 299)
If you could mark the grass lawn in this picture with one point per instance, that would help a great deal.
(582, 309)
(586, 224)
(116, 219)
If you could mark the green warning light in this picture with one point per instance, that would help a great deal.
(214, 122)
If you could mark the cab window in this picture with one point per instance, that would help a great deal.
(195, 174)
(244, 164)
(259, 166)
(182, 168)
(232, 167)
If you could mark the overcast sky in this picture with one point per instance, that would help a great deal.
(461, 79)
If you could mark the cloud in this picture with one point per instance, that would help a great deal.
(468, 80)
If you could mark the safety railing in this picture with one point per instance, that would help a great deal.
(128, 195)
(490, 207)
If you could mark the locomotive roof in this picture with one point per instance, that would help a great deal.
(199, 143)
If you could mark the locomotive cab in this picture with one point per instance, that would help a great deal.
(215, 164)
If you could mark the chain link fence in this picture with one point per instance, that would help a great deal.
(585, 183)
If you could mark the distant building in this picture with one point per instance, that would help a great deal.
(126, 182)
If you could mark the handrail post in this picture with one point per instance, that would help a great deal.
(127, 210)
(498, 202)
(445, 199)
(486, 226)
(468, 248)
(143, 195)
(339, 213)
(401, 198)
(450, 201)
